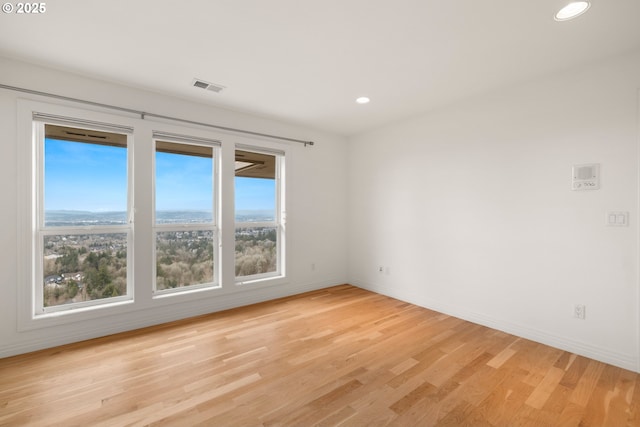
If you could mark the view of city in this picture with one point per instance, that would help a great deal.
(79, 265)
(83, 267)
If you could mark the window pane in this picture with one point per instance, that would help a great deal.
(184, 196)
(184, 183)
(255, 187)
(256, 198)
(256, 250)
(85, 182)
(84, 267)
(183, 258)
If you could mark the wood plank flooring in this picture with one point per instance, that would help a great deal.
(336, 357)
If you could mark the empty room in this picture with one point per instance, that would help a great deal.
(337, 213)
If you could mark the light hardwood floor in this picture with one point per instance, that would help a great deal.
(338, 356)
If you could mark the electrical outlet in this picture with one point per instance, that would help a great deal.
(579, 311)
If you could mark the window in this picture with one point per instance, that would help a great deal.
(259, 237)
(185, 213)
(99, 243)
(83, 232)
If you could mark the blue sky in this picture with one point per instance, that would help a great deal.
(90, 177)
(85, 177)
(183, 182)
(255, 194)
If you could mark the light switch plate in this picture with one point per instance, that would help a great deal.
(617, 219)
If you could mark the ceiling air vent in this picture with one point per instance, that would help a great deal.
(208, 86)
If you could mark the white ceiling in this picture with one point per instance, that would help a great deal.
(305, 61)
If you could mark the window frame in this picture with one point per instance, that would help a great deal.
(30, 211)
(279, 222)
(42, 230)
(141, 301)
(213, 226)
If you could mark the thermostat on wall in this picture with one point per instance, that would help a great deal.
(586, 177)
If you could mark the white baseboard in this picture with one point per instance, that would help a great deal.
(66, 334)
(155, 317)
(563, 343)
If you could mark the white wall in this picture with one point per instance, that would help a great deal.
(317, 201)
(469, 210)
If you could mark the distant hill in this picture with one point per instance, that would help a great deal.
(70, 218)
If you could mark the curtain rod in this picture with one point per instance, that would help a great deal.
(144, 114)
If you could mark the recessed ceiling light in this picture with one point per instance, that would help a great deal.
(363, 100)
(572, 10)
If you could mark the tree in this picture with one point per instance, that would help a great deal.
(91, 260)
(69, 261)
(72, 289)
(110, 291)
(103, 277)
